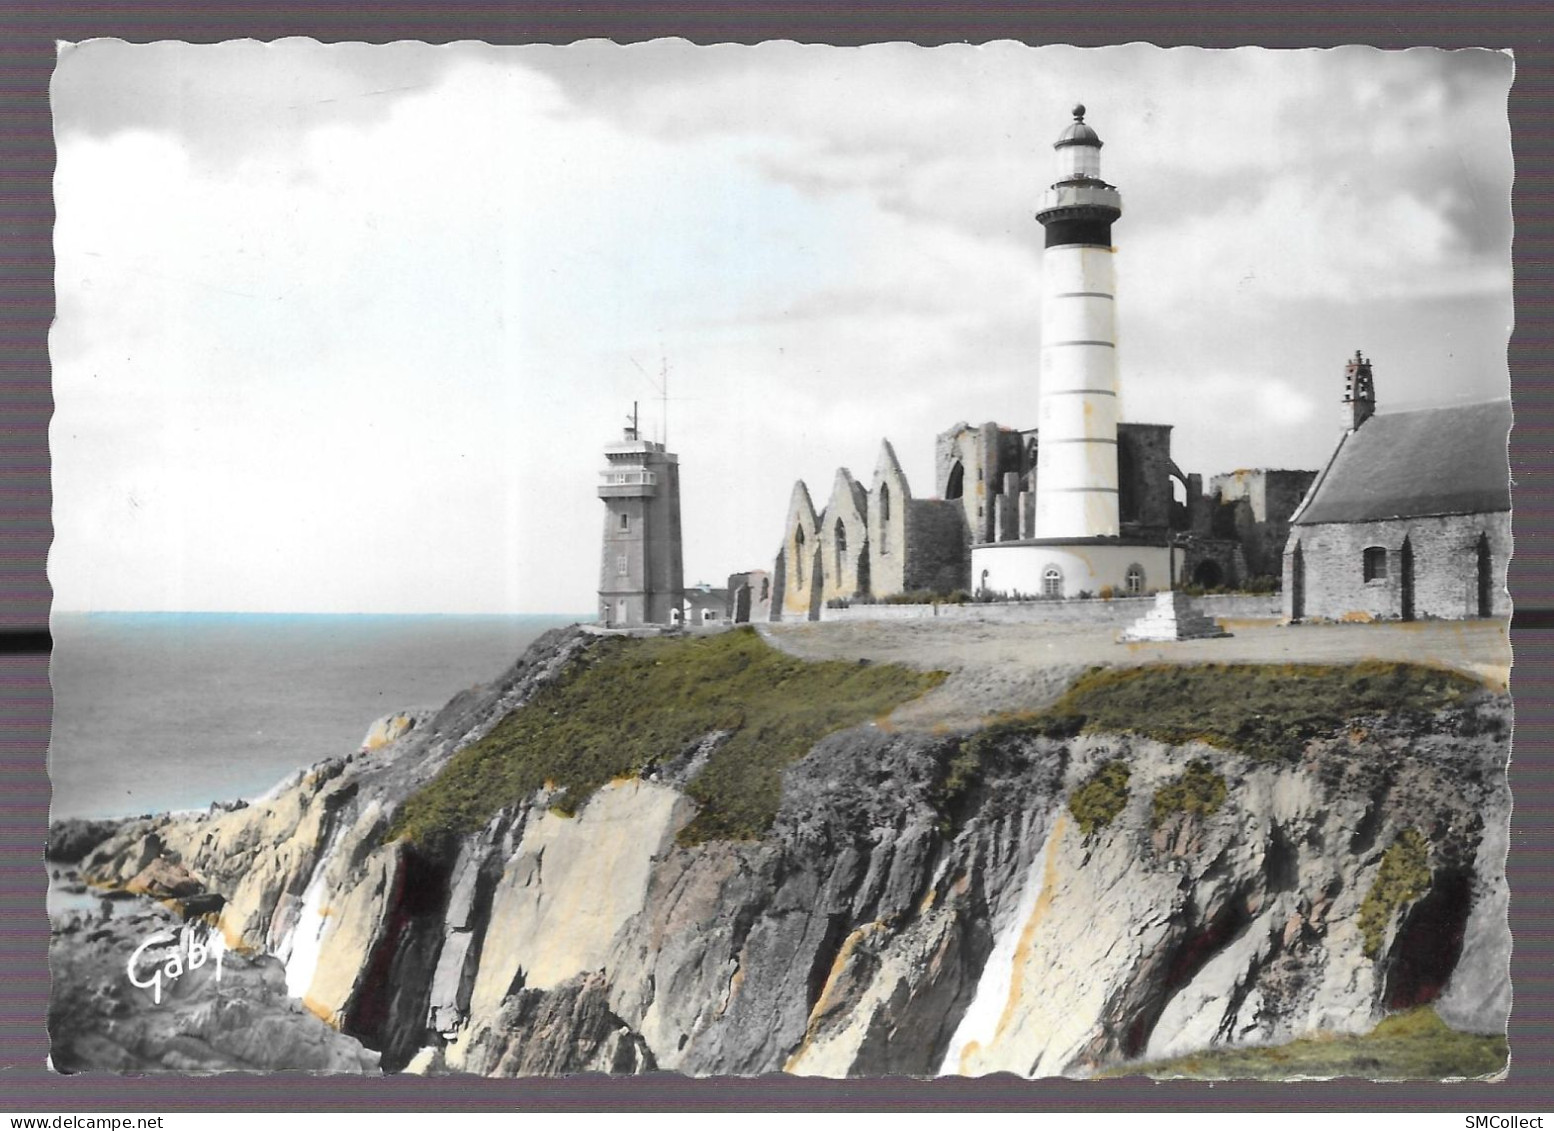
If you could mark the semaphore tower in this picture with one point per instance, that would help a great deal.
(641, 579)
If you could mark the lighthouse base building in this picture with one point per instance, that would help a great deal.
(1066, 567)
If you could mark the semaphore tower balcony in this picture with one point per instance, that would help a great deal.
(629, 474)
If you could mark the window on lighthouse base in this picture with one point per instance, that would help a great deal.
(1052, 582)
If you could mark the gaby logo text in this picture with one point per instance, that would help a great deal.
(165, 957)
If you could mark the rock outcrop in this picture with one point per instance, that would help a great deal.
(391, 728)
(239, 1019)
(70, 840)
(880, 926)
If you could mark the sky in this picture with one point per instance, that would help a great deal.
(345, 328)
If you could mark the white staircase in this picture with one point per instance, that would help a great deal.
(1172, 618)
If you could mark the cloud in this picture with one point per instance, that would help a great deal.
(471, 288)
(226, 100)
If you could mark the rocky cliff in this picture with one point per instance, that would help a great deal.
(1027, 900)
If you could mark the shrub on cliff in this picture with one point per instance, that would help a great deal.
(1200, 791)
(1403, 877)
(1101, 797)
(970, 758)
(632, 704)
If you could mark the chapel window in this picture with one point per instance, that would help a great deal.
(1375, 563)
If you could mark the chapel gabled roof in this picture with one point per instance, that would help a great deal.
(1430, 461)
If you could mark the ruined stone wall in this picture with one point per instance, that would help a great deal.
(1144, 479)
(889, 504)
(1446, 576)
(801, 555)
(844, 540)
(1007, 506)
(1254, 507)
(779, 584)
(976, 451)
(750, 597)
(1011, 447)
(938, 549)
(1283, 492)
(1211, 562)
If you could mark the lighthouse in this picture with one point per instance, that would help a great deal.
(1086, 535)
(1076, 478)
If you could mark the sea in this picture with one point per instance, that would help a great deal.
(171, 711)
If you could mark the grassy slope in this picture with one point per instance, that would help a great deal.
(1415, 1045)
(1266, 711)
(634, 703)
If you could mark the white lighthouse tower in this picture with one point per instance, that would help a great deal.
(1076, 544)
(1076, 476)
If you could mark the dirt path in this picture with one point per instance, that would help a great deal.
(996, 668)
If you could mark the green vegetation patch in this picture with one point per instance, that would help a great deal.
(1403, 877)
(972, 756)
(1101, 796)
(1267, 711)
(634, 703)
(1415, 1045)
(1200, 790)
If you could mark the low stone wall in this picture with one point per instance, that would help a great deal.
(1241, 606)
(1118, 611)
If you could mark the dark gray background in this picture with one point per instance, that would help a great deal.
(28, 32)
